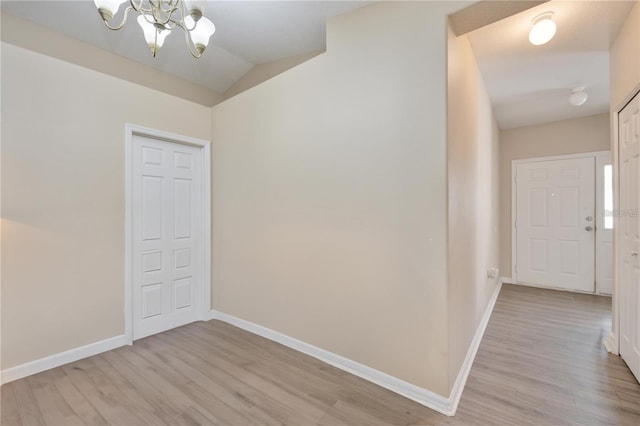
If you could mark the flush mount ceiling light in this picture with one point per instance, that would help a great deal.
(158, 17)
(578, 96)
(543, 29)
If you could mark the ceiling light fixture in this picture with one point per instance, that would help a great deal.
(543, 29)
(578, 96)
(158, 17)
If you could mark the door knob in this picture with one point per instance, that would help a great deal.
(634, 253)
(588, 228)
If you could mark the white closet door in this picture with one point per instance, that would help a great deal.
(629, 232)
(555, 227)
(167, 241)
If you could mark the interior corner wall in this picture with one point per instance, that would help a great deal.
(263, 72)
(472, 147)
(574, 136)
(63, 135)
(625, 60)
(624, 69)
(329, 189)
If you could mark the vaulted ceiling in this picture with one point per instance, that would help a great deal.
(527, 84)
(247, 33)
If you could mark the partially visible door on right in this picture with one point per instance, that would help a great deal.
(629, 232)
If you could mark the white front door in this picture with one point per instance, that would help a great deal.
(555, 223)
(167, 241)
(629, 231)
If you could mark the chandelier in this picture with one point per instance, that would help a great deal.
(158, 17)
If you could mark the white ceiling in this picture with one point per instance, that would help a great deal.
(247, 33)
(531, 84)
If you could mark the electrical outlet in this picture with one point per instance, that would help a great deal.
(492, 272)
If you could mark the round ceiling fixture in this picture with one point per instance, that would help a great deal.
(543, 29)
(578, 96)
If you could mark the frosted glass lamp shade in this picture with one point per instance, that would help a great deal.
(154, 36)
(194, 8)
(201, 33)
(543, 29)
(578, 98)
(108, 8)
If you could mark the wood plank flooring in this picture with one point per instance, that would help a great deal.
(541, 362)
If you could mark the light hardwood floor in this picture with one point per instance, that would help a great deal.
(541, 362)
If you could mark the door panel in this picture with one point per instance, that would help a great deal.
(629, 231)
(167, 224)
(555, 202)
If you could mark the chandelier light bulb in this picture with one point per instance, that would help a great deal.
(543, 29)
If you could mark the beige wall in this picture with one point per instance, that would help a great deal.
(329, 215)
(624, 69)
(586, 134)
(63, 198)
(625, 59)
(263, 72)
(473, 198)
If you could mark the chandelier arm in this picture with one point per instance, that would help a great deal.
(155, 43)
(190, 46)
(169, 19)
(124, 20)
(137, 7)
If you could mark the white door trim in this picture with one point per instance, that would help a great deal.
(514, 167)
(205, 146)
(602, 158)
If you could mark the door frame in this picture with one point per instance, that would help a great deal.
(599, 157)
(132, 130)
(612, 342)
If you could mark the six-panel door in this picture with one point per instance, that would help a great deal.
(555, 223)
(167, 240)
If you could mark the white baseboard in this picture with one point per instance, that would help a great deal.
(465, 369)
(446, 406)
(507, 280)
(610, 344)
(42, 364)
(416, 393)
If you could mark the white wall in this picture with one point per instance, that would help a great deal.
(329, 185)
(472, 198)
(63, 198)
(579, 135)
